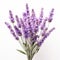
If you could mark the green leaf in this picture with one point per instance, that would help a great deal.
(21, 51)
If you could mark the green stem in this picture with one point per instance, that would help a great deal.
(29, 58)
(29, 54)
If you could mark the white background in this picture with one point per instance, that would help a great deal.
(50, 50)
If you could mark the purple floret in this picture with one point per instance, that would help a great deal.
(18, 32)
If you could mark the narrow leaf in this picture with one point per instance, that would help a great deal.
(21, 51)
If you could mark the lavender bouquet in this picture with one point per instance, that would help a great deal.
(30, 31)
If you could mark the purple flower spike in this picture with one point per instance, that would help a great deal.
(44, 23)
(18, 21)
(41, 15)
(33, 14)
(27, 9)
(12, 31)
(51, 16)
(11, 16)
(45, 36)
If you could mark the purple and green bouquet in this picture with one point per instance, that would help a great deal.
(30, 31)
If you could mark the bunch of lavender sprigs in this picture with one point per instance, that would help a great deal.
(30, 31)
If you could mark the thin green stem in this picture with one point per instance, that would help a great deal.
(29, 56)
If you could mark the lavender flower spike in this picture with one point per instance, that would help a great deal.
(12, 31)
(27, 9)
(11, 16)
(45, 36)
(18, 21)
(51, 16)
(32, 30)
